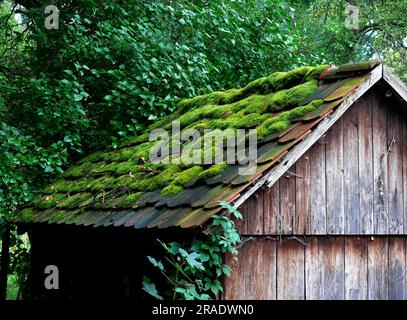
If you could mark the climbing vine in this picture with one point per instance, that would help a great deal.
(192, 271)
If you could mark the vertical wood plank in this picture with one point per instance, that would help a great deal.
(234, 286)
(379, 123)
(334, 268)
(302, 196)
(290, 270)
(271, 204)
(241, 224)
(313, 270)
(255, 212)
(335, 220)
(260, 270)
(395, 172)
(318, 188)
(365, 163)
(397, 268)
(378, 284)
(351, 170)
(355, 268)
(287, 202)
(404, 124)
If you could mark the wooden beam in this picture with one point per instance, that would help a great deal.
(395, 83)
(276, 172)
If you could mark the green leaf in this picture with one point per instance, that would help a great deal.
(155, 263)
(150, 288)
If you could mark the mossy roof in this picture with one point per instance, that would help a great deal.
(120, 187)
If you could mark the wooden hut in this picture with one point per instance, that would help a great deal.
(325, 213)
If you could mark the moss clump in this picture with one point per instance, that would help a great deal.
(171, 190)
(56, 216)
(79, 170)
(272, 128)
(74, 200)
(102, 183)
(292, 97)
(132, 199)
(153, 181)
(103, 167)
(248, 121)
(26, 215)
(214, 98)
(188, 176)
(212, 171)
(48, 201)
(127, 167)
(301, 111)
(315, 72)
(94, 157)
(282, 121)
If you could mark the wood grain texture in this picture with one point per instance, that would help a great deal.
(290, 270)
(334, 268)
(405, 173)
(365, 164)
(326, 267)
(314, 271)
(234, 286)
(351, 171)
(380, 186)
(335, 216)
(378, 281)
(255, 214)
(397, 268)
(287, 202)
(318, 188)
(355, 268)
(271, 203)
(395, 172)
(302, 195)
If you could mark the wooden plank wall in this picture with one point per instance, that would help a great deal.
(352, 181)
(341, 267)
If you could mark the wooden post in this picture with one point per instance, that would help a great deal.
(4, 262)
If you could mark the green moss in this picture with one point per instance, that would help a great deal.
(74, 200)
(127, 167)
(248, 121)
(56, 216)
(26, 215)
(152, 181)
(213, 171)
(102, 183)
(171, 190)
(282, 121)
(301, 111)
(132, 199)
(48, 201)
(214, 98)
(188, 176)
(292, 97)
(272, 127)
(315, 72)
(79, 170)
(94, 157)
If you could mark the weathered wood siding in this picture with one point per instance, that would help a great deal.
(319, 267)
(352, 181)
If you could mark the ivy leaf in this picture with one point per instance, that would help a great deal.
(192, 259)
(150, 288)
(155, 263)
